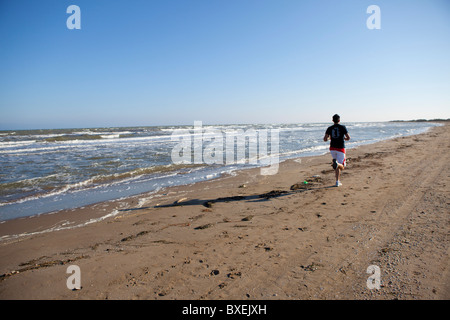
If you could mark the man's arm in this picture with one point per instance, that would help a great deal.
(346, 137)
(326, 137)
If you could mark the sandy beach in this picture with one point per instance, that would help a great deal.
(249, 236)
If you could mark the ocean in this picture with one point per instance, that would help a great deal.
(44, 171)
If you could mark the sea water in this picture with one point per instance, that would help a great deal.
(44, 171)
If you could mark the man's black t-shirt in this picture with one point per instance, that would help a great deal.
(337, 133)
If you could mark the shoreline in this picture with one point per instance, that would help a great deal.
(107, 186)
(252, 234)
(84, 215)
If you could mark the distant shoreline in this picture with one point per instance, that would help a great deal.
(422, 120)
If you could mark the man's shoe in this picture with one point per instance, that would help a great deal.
(338, 184)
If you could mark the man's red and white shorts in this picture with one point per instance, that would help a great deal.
(339, 155)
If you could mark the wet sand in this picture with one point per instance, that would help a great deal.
(249, 236)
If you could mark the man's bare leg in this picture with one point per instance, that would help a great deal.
(338, 171)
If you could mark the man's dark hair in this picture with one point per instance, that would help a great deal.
(336, 118)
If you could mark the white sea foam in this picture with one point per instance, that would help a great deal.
(15, 144)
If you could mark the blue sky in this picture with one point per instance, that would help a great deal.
(168, 62)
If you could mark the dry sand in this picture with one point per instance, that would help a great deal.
(234, 238)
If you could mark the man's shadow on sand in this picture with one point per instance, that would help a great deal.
(250, 198)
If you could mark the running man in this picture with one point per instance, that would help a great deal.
(337, 133)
